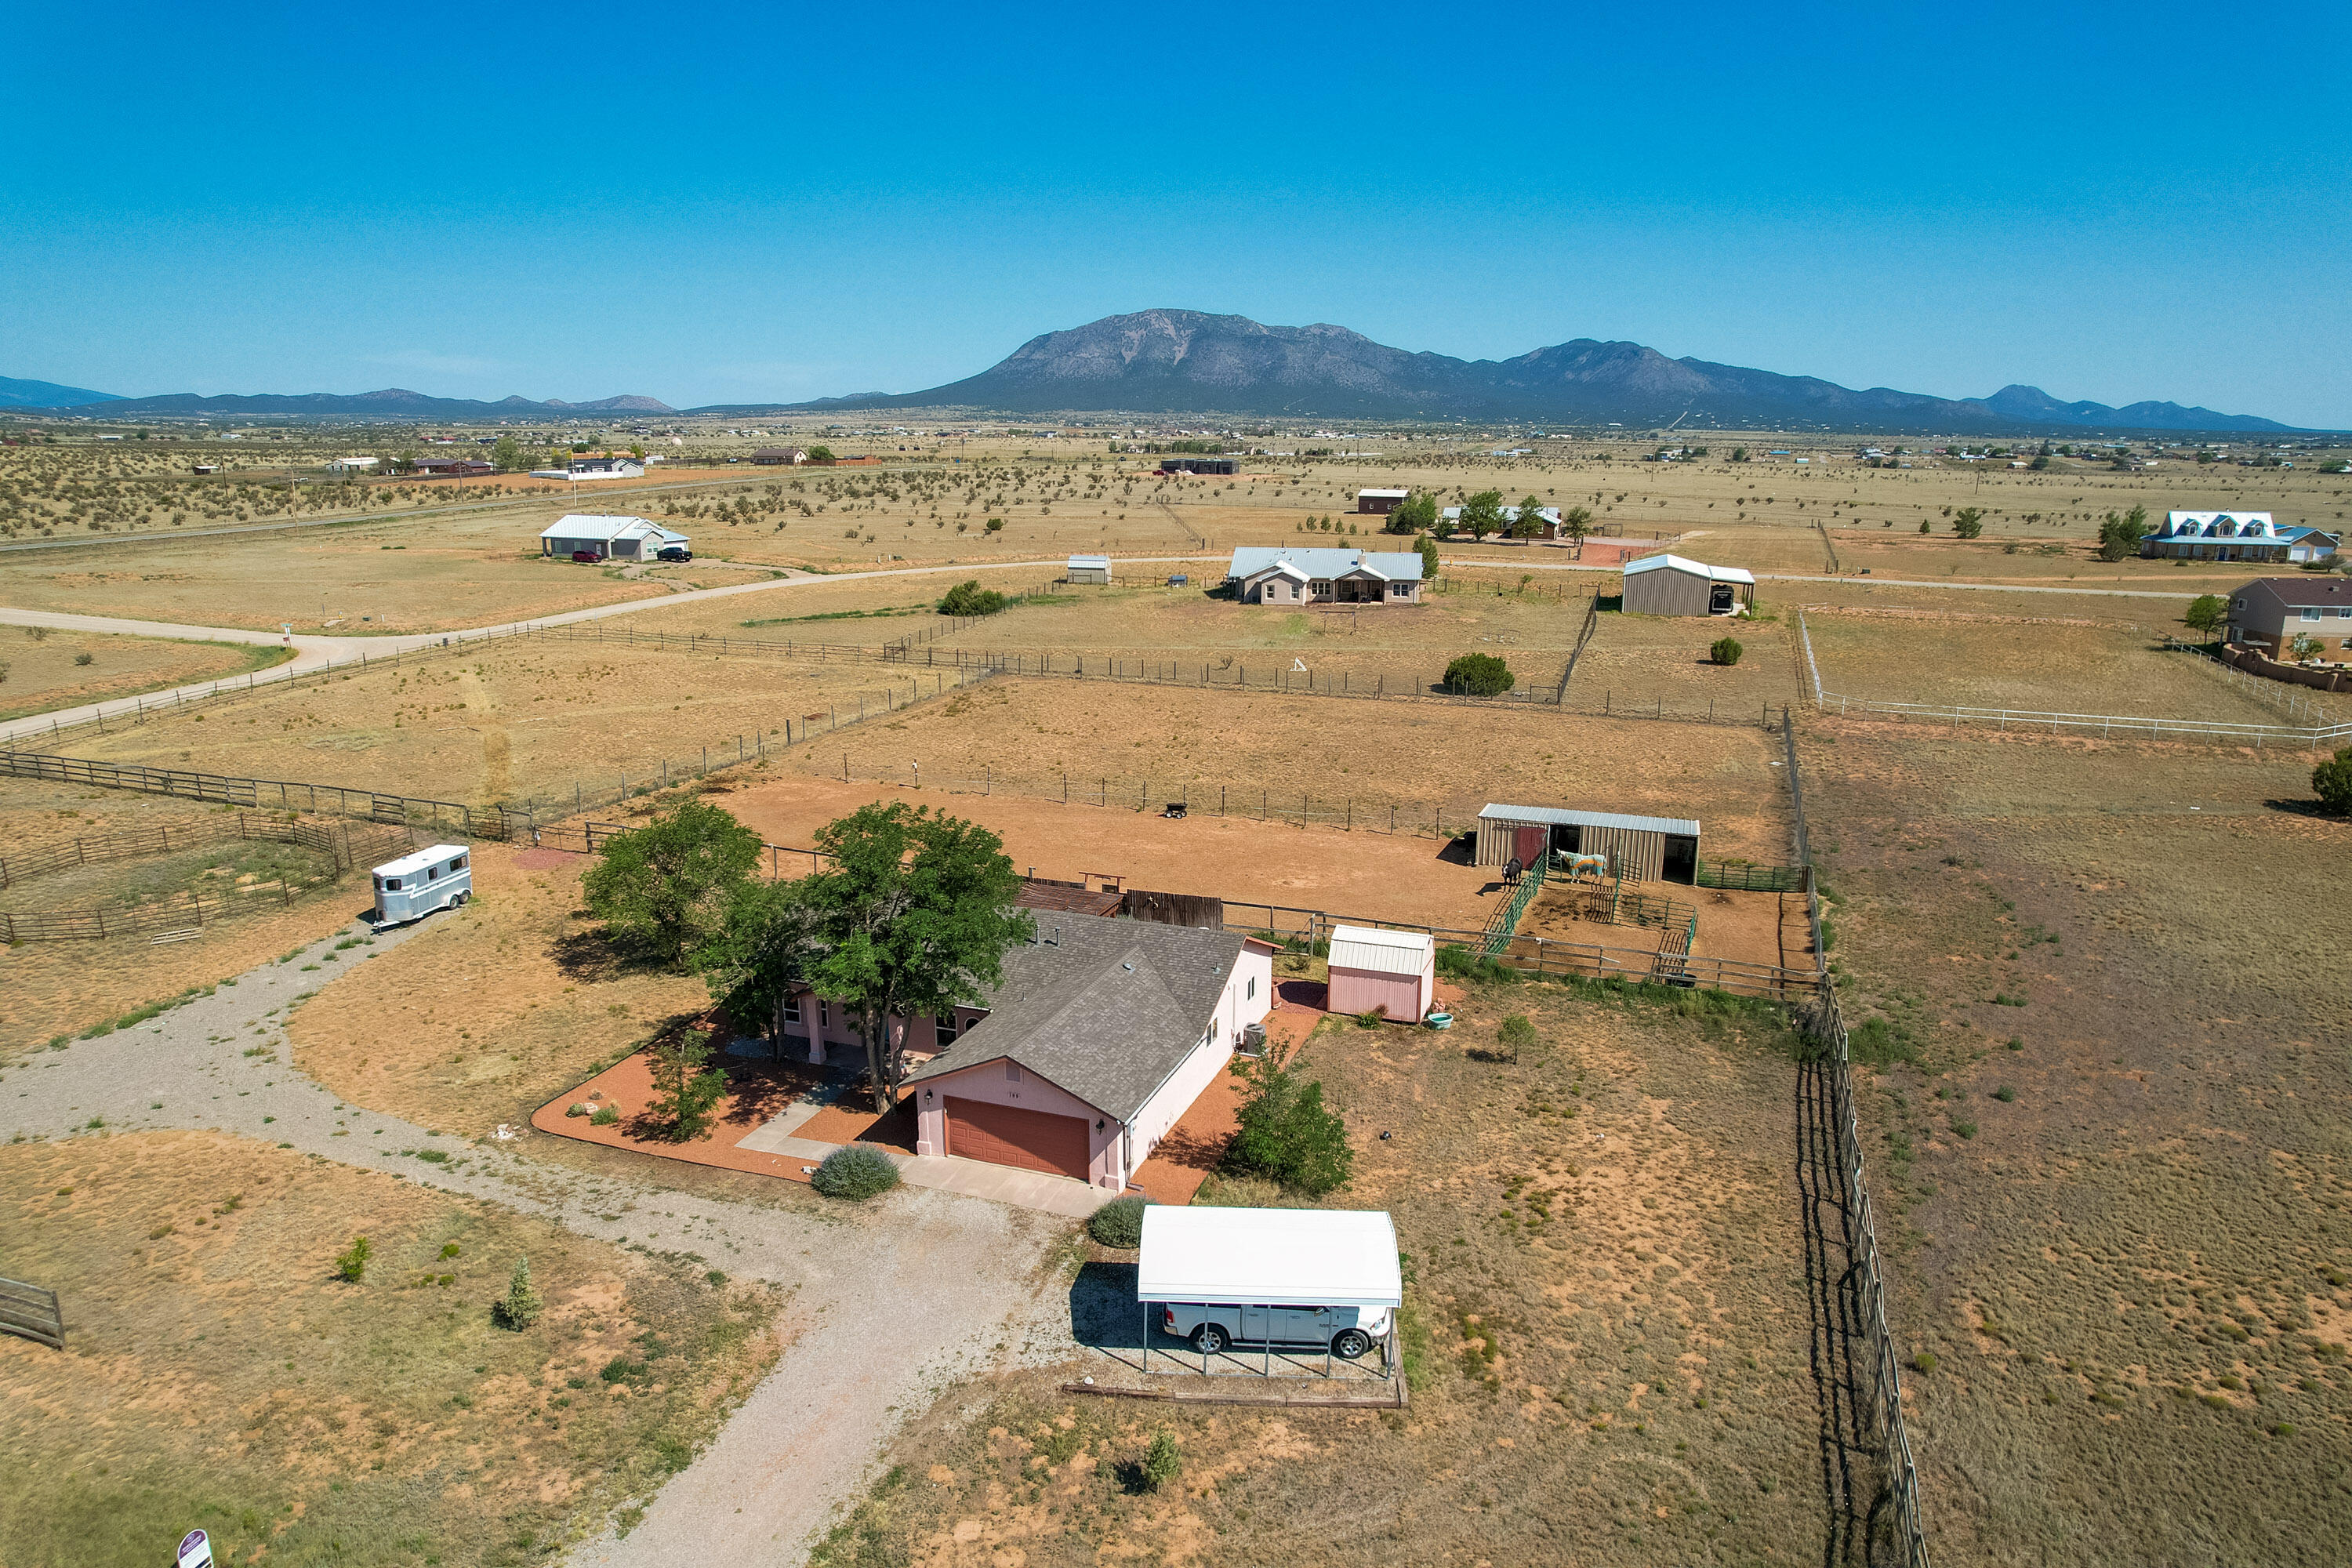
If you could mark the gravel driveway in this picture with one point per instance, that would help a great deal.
(888, 1303)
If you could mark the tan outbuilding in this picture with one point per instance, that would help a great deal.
(1671, 585)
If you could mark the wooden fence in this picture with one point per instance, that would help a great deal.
(31, 1312)
(194, 910)
(1861, 1287)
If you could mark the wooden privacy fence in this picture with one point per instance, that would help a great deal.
(31, 1310)
(1863, 1285)
(194, 910)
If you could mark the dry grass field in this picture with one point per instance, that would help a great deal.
(42, 670)
(2107, 1137)
(219, 1374)
(1416, 756)
(1607, 1335)
(509, 721)
(1636, 660)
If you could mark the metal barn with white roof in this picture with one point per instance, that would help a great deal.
(1094, 569)
(609, 537)
(1671, 585)
(1640, 848)
(1390, 972)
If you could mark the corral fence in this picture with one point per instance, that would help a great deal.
(1860, 1288)
(1740, 877)
(1591, 624)
(347, 849)
(2107, 726)
(31, 1312)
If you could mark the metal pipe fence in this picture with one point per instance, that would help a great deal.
(1824, 1023)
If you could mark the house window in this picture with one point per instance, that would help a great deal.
(824, 1015)
(793, 1009)
(944, 1028)
(1253, 988)
(2311, 615)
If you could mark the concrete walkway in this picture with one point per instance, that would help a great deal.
(889, 1301)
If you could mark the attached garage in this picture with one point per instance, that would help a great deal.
(1013, 1135)
(1639, 848)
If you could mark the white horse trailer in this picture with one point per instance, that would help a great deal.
(414, 886)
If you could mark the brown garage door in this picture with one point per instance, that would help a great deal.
(1009, 1135)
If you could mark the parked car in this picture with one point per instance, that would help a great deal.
(586, 557)
(1349, 1332)
(674, 552)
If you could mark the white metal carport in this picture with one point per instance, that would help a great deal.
(1270, 1258)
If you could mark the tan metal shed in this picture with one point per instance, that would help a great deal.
(1640, 848)
(1671, 585)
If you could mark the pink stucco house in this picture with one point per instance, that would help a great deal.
(1101, 1035)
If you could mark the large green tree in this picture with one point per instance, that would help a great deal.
(1529, 522)
(1482, 514)
(913, 916)
(668, 886)
(1428, 548)
(767, 945)
(507, 455)
(2206, 613)
(1287, 1135)
(1575, 524)
(1417, 513)
(2119, 537)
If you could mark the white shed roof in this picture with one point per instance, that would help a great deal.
(1695, 568)
(1682, 827)
(1382, 951)
(1304, 1257)
(600, 525)
(1097, 562)
(1385, 495)
(407, 865)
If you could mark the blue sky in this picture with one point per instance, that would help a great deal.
(731, 203)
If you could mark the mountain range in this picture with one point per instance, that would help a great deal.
(392, 403)
(1191, 364)
(1186, 362)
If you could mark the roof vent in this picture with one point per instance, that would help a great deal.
(1128, 967)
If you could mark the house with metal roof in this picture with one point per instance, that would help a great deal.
(1638, 849)
(1547, 524)
(2236, 536)
(1671, 585)
(1261, 574)
(1100, 1034)
(610, 537)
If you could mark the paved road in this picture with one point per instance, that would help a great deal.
(886, 1304)
(312, 651)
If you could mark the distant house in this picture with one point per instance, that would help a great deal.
(774, 457)
(1670, 585)
(353, 465)
(610, 537)
(2235, 536)
(1262, 576)
(2269, 613)
(1200, 464)
(434, 465)
(1547, 518)
(1094, 569)
(1099, 1037)
(622, 467)
(1379, 503)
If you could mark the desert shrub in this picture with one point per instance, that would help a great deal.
(605, 1117)
(1517, 1031)
(83, 659)
(969, 598)
(580, 1108)
(1288, 1136)
(1371, 1019)
(1162, 1461)
(2331, 781)
(520, 1307)
(351, 1267)
(1924, 1362)
(1456, 961)
(1119, 1223)
(1479, 675)
(855, 1173)
(1725, 650)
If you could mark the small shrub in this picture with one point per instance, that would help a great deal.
(83, 659)
(520, 1307)
(1517, 1031)
(969, 598)
(620, 1369)
(1924, 1362)
(2004, 1094)
(1479, 675)
(1370, 1020)
(351, 1267)
(1725, 650)
(579, 1108)
(1119, 1223)
(1162, 1461)
(855, 1173)
(450, 1250)
(1965, 1129)
(605, 1117)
